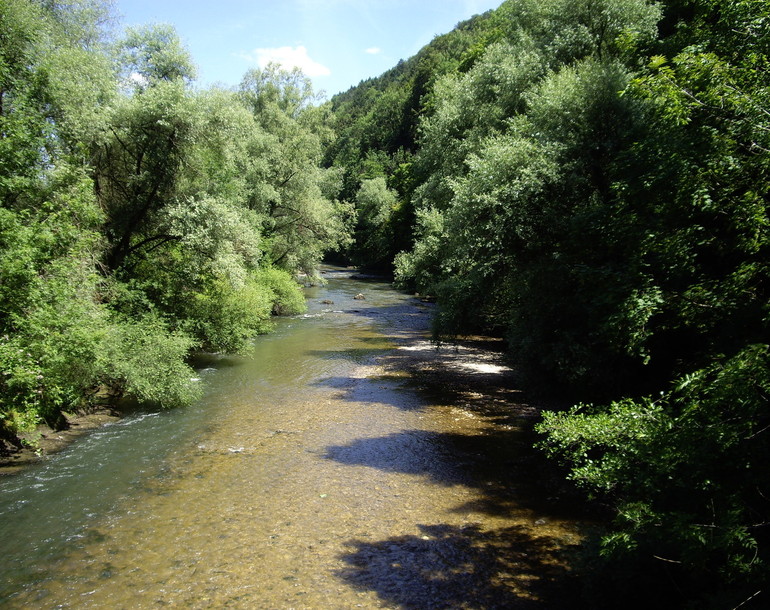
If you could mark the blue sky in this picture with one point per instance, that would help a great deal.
(337, 43)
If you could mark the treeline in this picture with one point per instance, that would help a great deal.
(142, 217)
(590, 179)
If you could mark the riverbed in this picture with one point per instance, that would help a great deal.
(345, 462)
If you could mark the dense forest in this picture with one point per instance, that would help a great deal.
(590, 180)
(587, 178)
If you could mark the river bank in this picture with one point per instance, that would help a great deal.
(47, 441)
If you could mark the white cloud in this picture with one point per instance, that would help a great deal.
(288, 58)
(135, 78)
(373, 50)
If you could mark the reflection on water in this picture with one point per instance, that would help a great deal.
(301, 480)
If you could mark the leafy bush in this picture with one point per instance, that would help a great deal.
(686, 473)
(147, 362)
(225, 318)
(50, 317)
(287, 297)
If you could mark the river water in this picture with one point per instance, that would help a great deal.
(311, 475)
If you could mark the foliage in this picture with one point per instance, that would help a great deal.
(145, 361)
(685, 472)
(519, 163)
(138, 166)
(287, 297)
(141, 218)
(590, 180)
(225, 317)
(377, 135)
(301, 219)
(152, 54)
(21, 99)
(376, 205)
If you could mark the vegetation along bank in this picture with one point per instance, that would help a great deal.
(588, 179)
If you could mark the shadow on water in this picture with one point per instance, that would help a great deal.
(520, 558)
(417, 452)
(381, 390)
(462, 567)
(211, 361)
(467, 380)
(359, 355)
(510, 478)
(474, 564)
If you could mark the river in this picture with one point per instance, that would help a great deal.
(314, 473)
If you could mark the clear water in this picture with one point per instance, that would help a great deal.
(305, 478)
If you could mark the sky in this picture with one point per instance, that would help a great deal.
(337, 43)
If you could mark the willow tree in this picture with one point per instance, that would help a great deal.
(182, 237)
(56, 88)
(515, 195)
(288, 188)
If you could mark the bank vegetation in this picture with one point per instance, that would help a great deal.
(586, 178)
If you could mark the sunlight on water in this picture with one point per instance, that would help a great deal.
(295, 482)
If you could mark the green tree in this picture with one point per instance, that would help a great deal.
(57, 326)
(152, 54)
(681, 469)
(149, 134)
(23, 126)
(176, 177)
(376, 205)
(521, 231)
(286, 183)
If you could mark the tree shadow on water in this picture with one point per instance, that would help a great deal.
(374, 390)
(462, 567)
(433, 455)
(510, 478)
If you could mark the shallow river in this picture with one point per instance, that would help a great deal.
(307, 477)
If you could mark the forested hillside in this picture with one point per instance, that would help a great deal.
(590, 180)
(141, 217)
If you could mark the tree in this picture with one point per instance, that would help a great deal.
(375, 204)
(285, 180)
(175, 178)
(680, 467)
(149, 55)
(55, 322)
(685, 475)
(516, 171)
(23, 126)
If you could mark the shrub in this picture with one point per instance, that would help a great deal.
(686, 473)
(288, 298)
(225, 318)
(148, 362)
